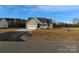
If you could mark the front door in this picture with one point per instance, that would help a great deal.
(38, 25)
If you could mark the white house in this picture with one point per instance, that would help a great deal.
(3, 23)
(34, 23)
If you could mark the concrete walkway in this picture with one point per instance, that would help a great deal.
(23, 30)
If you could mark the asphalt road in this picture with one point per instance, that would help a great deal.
(14, 36)
(39, 47)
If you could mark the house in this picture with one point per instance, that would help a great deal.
(3, 23)
(34, 23)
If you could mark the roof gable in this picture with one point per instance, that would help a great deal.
(41, 20)
(34, 19)
(1, 19)
(45, 20)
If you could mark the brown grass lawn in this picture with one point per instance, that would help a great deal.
(8, 29)
(56, 34)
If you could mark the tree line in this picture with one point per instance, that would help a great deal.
(21, 23)
(75, 23)
(16, 22)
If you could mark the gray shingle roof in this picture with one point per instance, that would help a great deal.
(43, 20)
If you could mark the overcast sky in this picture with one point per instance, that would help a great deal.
(60, 13)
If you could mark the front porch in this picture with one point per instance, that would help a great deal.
(39, 26)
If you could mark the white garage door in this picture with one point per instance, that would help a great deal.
(31, 27)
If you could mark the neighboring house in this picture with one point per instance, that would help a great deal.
(34, 23)
(3, 23)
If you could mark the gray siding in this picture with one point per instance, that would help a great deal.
(3, 23)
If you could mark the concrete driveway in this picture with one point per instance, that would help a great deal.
(23, 30)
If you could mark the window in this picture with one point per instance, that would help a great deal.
(44, 24)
